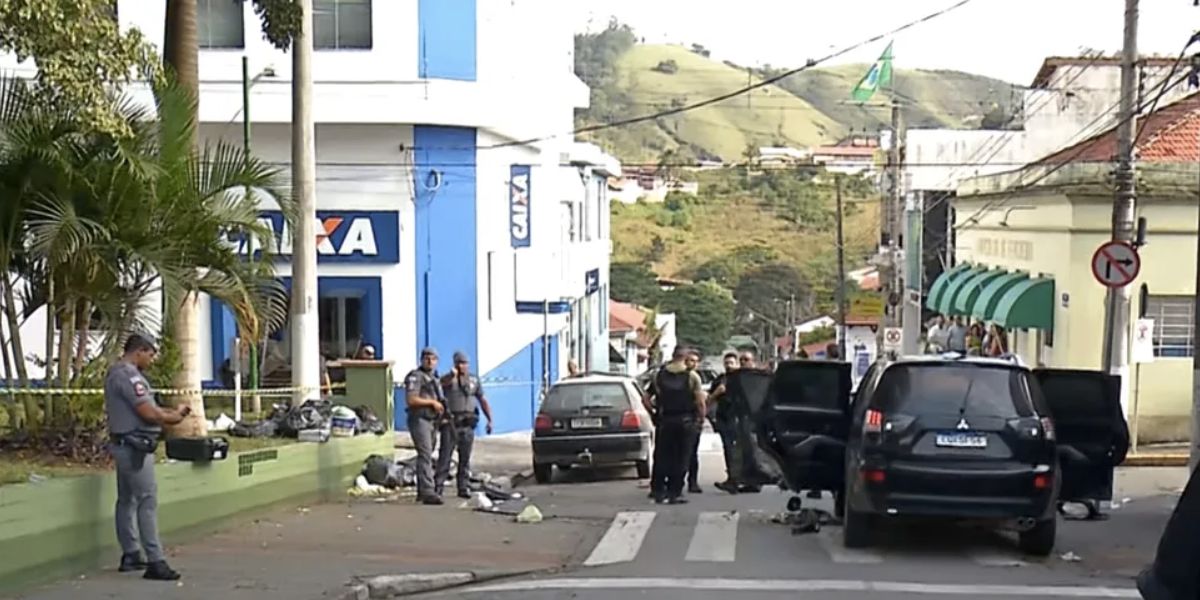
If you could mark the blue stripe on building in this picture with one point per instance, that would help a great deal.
(514, 388)
(447, 38)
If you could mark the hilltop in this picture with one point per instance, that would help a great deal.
(630, 79)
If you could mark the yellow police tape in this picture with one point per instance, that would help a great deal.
(166, 392)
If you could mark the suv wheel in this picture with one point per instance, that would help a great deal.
(1039, 541)
(856, 529)
(643, 469)
(543, 473)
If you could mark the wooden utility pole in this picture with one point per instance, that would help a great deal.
(840, 290)
(306, 349)
(890, 279)
(1117, 306)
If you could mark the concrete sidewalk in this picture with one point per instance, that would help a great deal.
(507, 454)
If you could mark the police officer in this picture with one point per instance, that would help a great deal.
(723, 423)
(426, 406)
(135, 423)
(678, 397)
(693, 467)
(464, 399)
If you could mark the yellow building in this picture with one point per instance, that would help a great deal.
(1024, 246)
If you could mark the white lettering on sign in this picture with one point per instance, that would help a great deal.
(520, 207)
(358, 239)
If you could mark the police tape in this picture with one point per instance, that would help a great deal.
(221, 393)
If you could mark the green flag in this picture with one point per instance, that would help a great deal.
(879, 76)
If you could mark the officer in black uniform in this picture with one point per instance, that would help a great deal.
(464, 399)
(677, 396)
(721, 415)
(426, 405)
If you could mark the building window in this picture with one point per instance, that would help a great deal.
(219, 24)
(340, 325)
(1174, 321)
(342, 24)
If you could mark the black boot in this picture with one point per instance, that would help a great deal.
(132, 562)
(161, 571)
(432, 501)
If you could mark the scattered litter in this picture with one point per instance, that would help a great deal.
(480, 501)
(35, 478)
(531, 514)
(304, 509)
(223, 422)
(1071, 557)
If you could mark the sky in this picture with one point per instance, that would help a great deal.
(1005, 39)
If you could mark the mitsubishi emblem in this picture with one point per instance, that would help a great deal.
(963, 425)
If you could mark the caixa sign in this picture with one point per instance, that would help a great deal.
(342, 236)
(518, 206)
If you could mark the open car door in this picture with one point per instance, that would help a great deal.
(801, 425)
(1091, 432)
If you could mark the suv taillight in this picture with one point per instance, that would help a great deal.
(1048, 428)
(630, 420)
(543, 423)
(873, 422)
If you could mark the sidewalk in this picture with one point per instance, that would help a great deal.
(507, 454)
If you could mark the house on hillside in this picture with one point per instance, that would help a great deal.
(772, 156)
(848, 160)
(1024, 248)
(647, 184)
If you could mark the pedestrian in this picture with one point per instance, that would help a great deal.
(464, 399)
(956, 337)
(678, 396)
(744, 431)
(693, 469)
(135, 423)
(426, 407)
(573, 369)
(832, 351)
(722, 422)
(934, 342)
(365, 352)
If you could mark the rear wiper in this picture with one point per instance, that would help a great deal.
(962, 410)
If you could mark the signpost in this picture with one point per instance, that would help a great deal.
(893, 339)
(1143, 352)
(1116, 264)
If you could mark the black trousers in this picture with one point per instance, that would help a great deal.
(693, 469)
(672, 449)
(1175, 571)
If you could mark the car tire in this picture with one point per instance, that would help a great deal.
(543, 473)
(856, 529)
(1039, 541)
(643, 469)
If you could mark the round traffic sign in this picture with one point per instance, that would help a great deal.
(1116, 264)
(892, 336)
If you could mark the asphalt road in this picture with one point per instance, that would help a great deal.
(720, 546)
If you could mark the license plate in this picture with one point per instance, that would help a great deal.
(588, 423)
(961, 440)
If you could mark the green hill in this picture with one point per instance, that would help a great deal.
(629, 79)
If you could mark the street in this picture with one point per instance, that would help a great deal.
(721, 546)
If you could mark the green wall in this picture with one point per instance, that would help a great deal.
(65, 526)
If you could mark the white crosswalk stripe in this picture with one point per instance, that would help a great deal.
(715, 538)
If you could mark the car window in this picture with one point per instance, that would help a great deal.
(587, 395)
(809, 386)
(979, 390)
(1077, 397)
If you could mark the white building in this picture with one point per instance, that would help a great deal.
(439, 229)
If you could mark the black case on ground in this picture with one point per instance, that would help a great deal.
(197, 449)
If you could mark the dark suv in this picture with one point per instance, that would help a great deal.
(959, 438)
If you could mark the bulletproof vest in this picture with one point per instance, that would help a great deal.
(675, 395)
(429, 387)
(460, 393)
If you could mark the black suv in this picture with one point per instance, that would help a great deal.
(947, 437)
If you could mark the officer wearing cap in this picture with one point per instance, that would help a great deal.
(464, 399)
(426, 405)
(135, 423)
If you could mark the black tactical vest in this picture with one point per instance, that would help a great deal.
(675, 395)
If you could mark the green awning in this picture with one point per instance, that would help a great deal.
(942, 282)
(985, 304)
(968, 292)
(1027, 305)
(945, 302)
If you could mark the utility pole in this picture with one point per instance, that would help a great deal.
(256, 402)
(306, 350)
(914, 262)
(1117, 306)
(840, 291)
(890, 278)
(1195, 453)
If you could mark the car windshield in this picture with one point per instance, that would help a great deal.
(575, 396)
(970, 390)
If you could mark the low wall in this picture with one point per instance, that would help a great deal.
(62, 527)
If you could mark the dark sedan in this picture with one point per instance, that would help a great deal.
(592, 421)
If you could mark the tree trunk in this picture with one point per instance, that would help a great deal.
(83, 325)
(181, 54)
(66, 337)
(14, 326)
(10, 403)
(185, 328)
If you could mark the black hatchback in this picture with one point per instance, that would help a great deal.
(956, 438)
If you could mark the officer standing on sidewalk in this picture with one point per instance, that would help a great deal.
(678, 397)
(464, 399)
(135, 423)
(723, 424)
(426, 405)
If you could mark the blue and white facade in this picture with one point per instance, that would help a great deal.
(441, 229)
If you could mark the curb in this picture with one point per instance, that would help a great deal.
(382, 587)
(1156, 460)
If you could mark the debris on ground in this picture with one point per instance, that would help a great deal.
(530, 514)
(805, 520)
(1071, 557)
(399, 477)
(319, 416)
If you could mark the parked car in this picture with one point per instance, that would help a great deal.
(592, 421)
(970, 439)
(707, 376)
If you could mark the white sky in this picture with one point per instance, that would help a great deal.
(1006, 39)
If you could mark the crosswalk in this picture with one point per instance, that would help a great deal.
(714, 539)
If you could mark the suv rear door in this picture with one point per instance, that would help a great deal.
(1090, 427)
(803, 423)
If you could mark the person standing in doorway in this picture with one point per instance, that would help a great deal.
(464, 399)
(722, 422)
(693, 468)
(678, 396)
(426, 406)
(135, 423)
